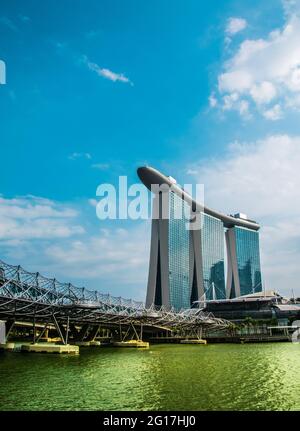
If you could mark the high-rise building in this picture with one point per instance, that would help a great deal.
(169, 270)
(244, 273)
(187, 264)
(179, 242)
(207, 258)
(212, 249)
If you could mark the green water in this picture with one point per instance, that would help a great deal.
(165, 377)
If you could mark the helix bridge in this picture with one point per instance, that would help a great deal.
(73, 311)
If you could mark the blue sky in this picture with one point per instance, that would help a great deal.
(96, 88)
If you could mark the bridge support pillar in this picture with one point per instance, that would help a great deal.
(8, 327)
(44, 330)
(62, 332)
(86, 333)
(2, 332)
(82, 333)
(93, 333)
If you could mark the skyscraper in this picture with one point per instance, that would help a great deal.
(244, 273)
(187, 264)
(212, 259)
(169, 270)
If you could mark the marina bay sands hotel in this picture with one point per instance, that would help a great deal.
(188, 264)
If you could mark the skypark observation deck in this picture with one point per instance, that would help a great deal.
(150, 176)
(73, 311)
(187, 260)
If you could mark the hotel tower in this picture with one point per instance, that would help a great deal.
(187, 261)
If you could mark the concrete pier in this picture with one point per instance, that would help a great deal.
(10, 346)
(87, 343)
(193, 341)
(131, 343)
(50, 348)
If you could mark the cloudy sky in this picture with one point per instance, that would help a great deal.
(207, 92)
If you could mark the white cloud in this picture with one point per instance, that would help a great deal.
(266, 70)
(7, 22)
(106, 73)
(92, 34)
(212, 100)
(243, 108)
(93, 202)
(235, 25)
(75, 156)
(24, 18)
(60, 241)
(233, 101)
(263, 93)
(275, 113)
(101, 166)
(291, 6)
(29, 217)
(114, 255)
(262, 179)
(229, 100)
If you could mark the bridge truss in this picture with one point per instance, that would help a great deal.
(31, 297)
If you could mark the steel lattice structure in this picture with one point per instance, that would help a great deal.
(28, 296)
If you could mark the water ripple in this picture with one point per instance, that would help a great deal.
(165, 377)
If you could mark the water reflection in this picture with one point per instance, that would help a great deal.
(165, 377)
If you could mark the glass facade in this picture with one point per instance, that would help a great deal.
(183, 286)
(187, 262)
(179, 254)
(212, 244)
(248, 260)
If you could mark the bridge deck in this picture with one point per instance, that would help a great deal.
(32, 297)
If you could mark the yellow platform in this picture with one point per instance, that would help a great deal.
(95, 343)
(8, 346)
(87, 343)
(50, 348)
(194, 341)
(131, 343)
